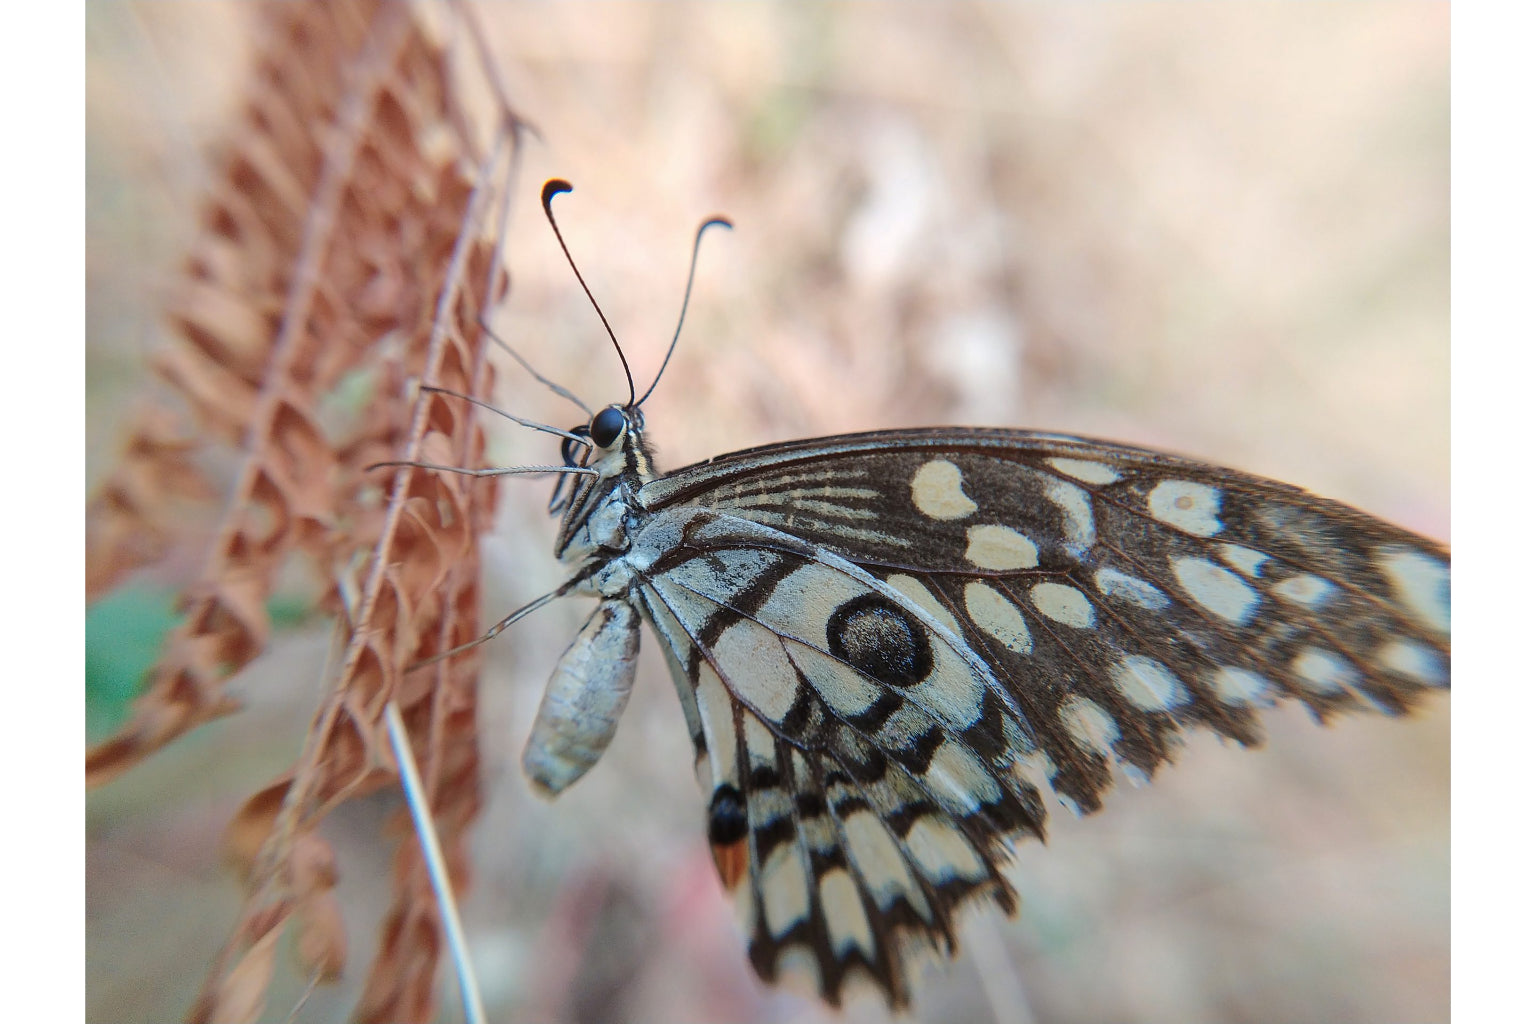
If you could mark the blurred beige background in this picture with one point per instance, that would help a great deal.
(1217, 229)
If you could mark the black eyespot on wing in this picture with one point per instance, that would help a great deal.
(878, 638)
(727, 816)
(607, 426)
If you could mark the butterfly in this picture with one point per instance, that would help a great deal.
(893, 650)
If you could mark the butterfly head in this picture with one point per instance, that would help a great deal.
(607, 430)
(614, 445)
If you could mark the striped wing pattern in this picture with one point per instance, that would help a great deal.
(858, 776)
(890, 646)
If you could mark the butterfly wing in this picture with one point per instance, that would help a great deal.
(1103, 598)
(863, 766)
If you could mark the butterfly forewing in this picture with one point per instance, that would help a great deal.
(888, 645)
(1087, 540)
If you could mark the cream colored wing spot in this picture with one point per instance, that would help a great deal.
(903, 727)
(754, 661)
(691, 610)
(717, 720)
(859, 984)
(1245, 560)
(1089, 725)
(1239, 686)
(1149, 684)
(913, 590)
(1000, 547)
(1065, 604)
(847, 927)
(1422, 583)
(846, 692)
(805, 600)
(958, 780)
(937, 491)
(761, 750)
(1217, 590)
(879, 862)
(786, 898)
(941, 852)
(797, 969)
(1125, 587)
(1323, 671)
(998, 617)
(1414, 661)
(952, 692)
(1186, 505)
(1087, 472)
(1305, 590)
(1078, 530)
(1035, 769)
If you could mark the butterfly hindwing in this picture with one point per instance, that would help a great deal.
(859, 760)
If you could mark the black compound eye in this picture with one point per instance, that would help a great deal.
(607, 426)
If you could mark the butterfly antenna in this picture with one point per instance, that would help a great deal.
(541, 427)
(554, 187)
(563, 392)
(693, 264)
(507, 192)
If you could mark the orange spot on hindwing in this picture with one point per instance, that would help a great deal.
(728, 834)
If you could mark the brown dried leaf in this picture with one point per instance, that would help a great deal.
(343, 231)
(126, 521)
(312, 866)
(299, 235)
(322, 944)
(251, 827)
(400, 984)
(242, 994)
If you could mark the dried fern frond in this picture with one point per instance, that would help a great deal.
(126, 518)
(345, 231)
